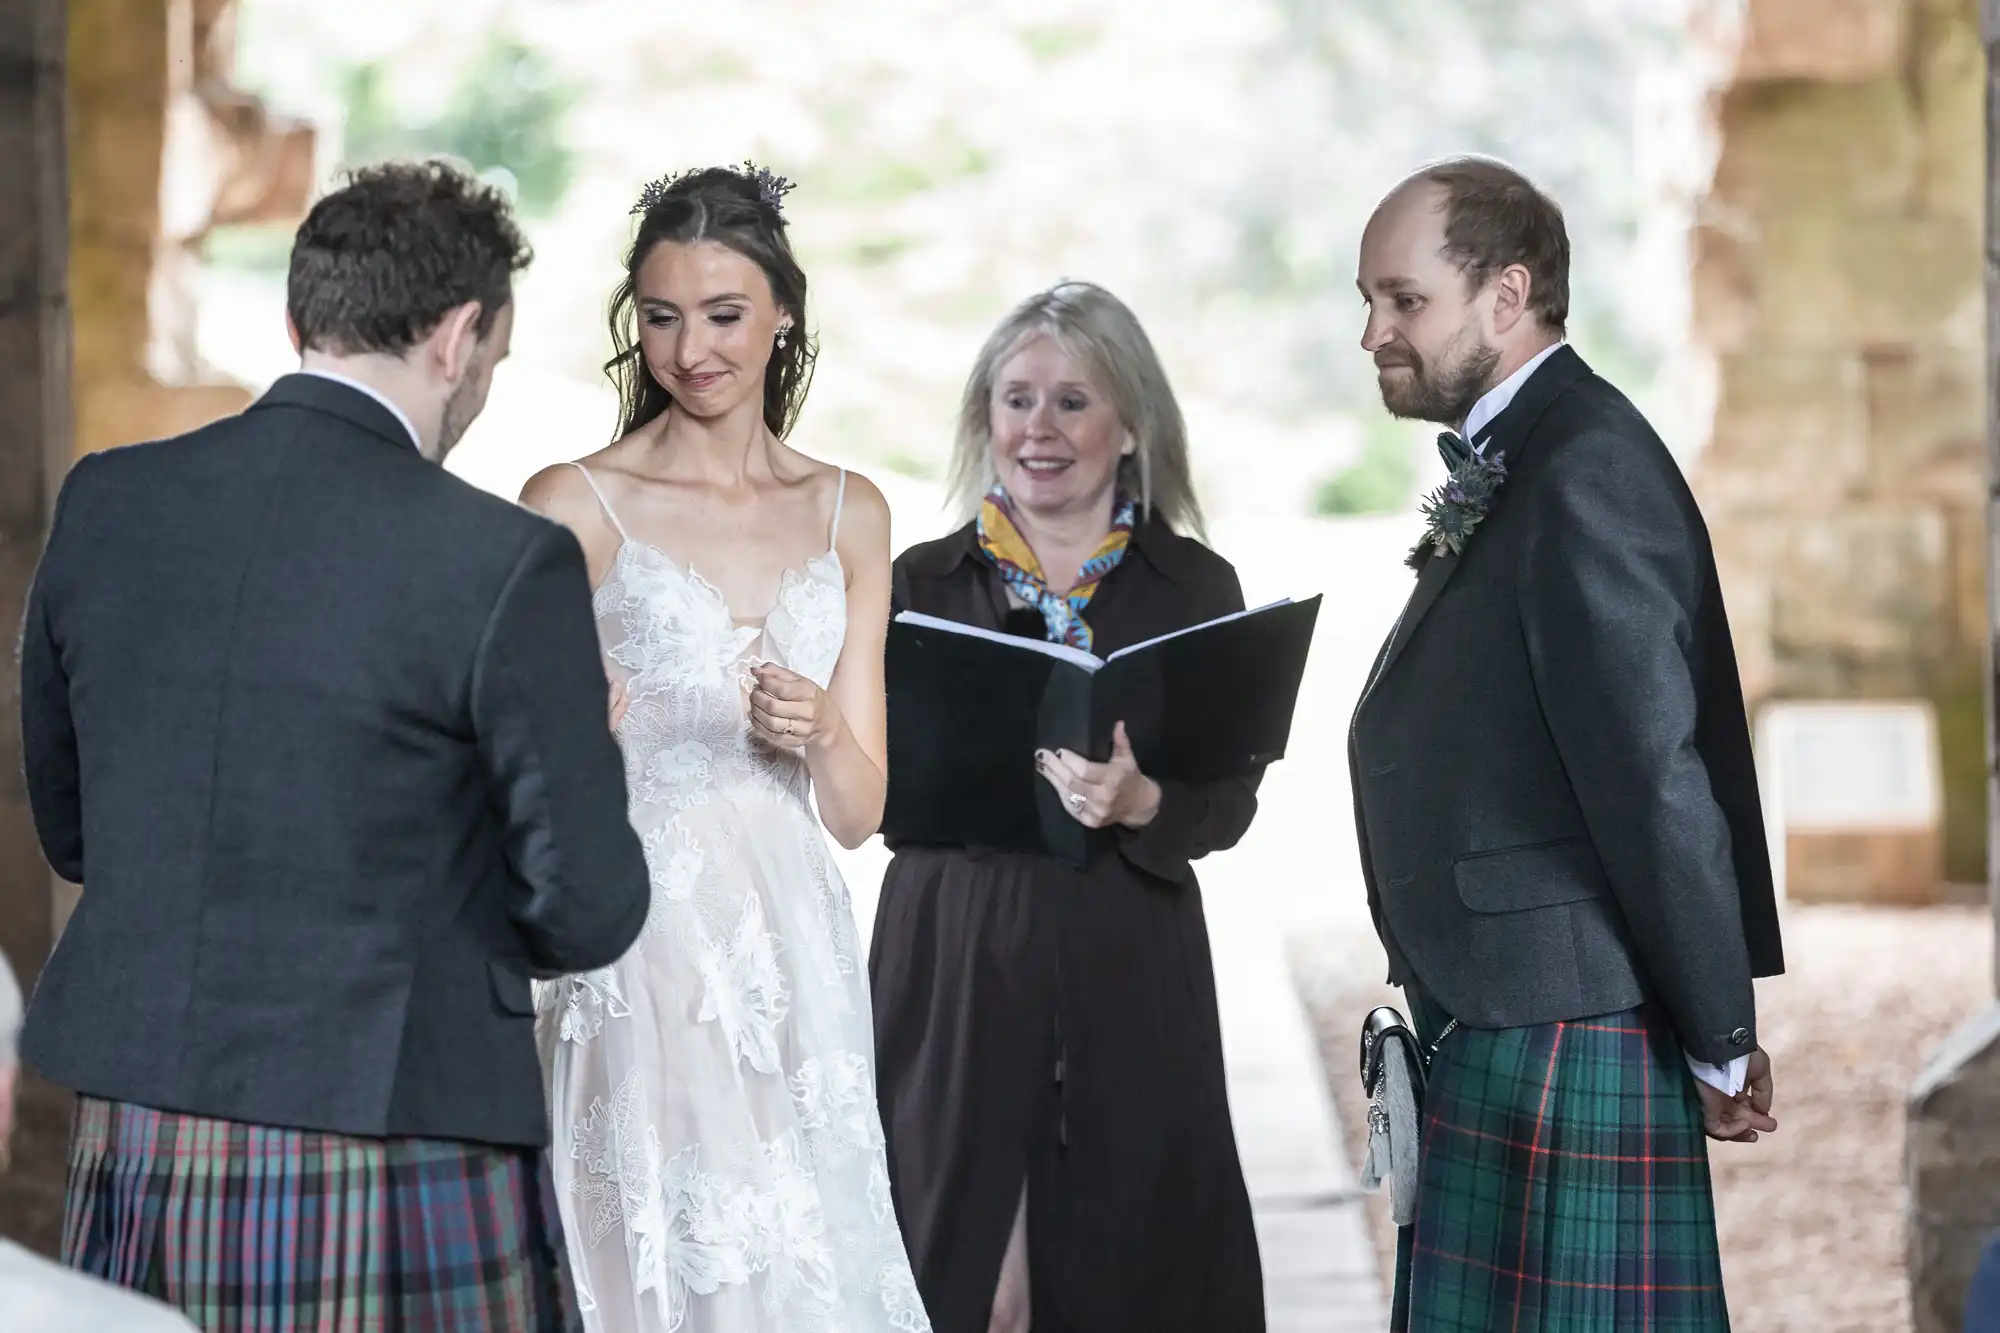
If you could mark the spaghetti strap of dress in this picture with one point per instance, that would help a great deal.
(605, 504)
(839, 498)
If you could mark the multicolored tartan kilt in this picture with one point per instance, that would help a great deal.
(274, 1230)
(1562, 1184)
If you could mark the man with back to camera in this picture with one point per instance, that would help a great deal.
(321, 730)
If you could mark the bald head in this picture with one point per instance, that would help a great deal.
(1405, 238)
(1414, 193)
(1465, 272)
(1486, 218)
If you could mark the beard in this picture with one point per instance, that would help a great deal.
(1444, 392)
(461, 409)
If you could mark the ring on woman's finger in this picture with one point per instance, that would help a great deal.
(1076, 801)
(788, 726)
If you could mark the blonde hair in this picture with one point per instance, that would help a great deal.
(1098, 329)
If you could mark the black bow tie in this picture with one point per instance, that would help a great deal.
(1453, 450)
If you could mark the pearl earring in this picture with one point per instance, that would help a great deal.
(782, 335)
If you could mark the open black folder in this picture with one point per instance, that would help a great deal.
(969, 707)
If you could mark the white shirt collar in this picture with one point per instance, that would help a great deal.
(1500, 395)
(376, 394)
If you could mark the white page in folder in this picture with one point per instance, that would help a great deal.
(1088, 661)
(1176, 633)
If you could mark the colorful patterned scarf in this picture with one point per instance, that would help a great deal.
(1001, 540)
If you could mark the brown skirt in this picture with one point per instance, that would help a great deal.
(1043, 1025)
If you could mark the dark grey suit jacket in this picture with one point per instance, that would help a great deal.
(321, 729)
(1552, 773)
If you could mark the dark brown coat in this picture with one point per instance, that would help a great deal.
(1042, 1024)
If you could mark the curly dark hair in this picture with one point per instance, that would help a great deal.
(379, 261)
(728, 207)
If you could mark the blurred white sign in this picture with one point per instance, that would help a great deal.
(1852, 766)
(1847, 767)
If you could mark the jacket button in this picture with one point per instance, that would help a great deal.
(1740, 1037)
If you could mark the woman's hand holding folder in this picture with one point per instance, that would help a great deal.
(1102, 795)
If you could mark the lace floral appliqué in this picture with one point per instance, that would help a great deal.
(720, 1151)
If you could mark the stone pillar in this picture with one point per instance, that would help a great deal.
(1952, 1156)
(163, 149)
(118, 95)
(1836, 290)
(34, 446)
(1953, 1148)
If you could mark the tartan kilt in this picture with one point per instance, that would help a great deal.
(1563, 1184)
(244, 1227)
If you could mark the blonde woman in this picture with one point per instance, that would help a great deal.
(1050, 1060)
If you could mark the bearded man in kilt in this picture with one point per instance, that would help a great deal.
(1556, 803)
(321, 730)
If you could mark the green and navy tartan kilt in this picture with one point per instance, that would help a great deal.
(245, 1228)
(1562, 1184)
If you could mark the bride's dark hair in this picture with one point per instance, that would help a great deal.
(740, 210)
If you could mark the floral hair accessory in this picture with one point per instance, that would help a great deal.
(771, 188)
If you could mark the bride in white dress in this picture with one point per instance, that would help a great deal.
(717, 1148)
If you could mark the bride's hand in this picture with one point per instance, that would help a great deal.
(789, 711)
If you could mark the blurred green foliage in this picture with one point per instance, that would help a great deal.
(1383, 480)
(1051, 42)
(505, 116)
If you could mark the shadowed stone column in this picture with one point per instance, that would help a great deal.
(34, 446)
(1954, 1126)
(163, 149)
(1837, 256)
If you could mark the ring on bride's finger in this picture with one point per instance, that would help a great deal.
(788, 726)
(1076, 801)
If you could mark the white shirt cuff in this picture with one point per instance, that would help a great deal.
(1725, 1079)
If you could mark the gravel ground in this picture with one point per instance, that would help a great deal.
(1811, 1219)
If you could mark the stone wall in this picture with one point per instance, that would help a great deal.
(1837, 263)
(1952, 1163)
(34, 446)
(1952, 1149)
(119, 83)
(163, 148)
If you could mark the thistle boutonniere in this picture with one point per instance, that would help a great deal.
(1453, 510)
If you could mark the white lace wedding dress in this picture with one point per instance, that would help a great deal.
(717, 1148)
